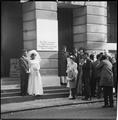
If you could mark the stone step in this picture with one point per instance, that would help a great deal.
(10, 87)
(5, 100)
(10, 82)
(10, 90)
(10, 94)
(5, 88)
(9, 78)
(16, 93)
(5, 80)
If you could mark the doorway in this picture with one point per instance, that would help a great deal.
(65, 28)
(65, 33)
(11, 34)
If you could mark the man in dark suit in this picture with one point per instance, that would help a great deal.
(24, 72)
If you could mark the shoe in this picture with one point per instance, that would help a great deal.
(65, 84)
(61, 83)
(22, 94)
(111, 106)
(84, 98)
(71, 98)
(105, 106)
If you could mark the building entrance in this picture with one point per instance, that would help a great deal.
(65, 38)
(12, 35)
(65, 28)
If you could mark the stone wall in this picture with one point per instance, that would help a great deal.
(32, 11)
(29, 25)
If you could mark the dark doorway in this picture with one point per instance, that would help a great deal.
(65, 35)
(65, 28)
(12, 34)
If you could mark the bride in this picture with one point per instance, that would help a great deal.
(34, 83)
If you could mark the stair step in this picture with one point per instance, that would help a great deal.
(16, 93)
(56, 90)
(29, 98)
(10, 90)
(17, 86)
(10, 94)
(14, 88)
(9, 79)
(10, 82)
(7, 87)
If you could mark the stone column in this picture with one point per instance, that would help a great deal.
(29, 25)
(79, 27)
(96, 25)
(32, 12)
(90, 26)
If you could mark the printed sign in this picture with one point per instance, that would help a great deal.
(14, 68)
(47, 35)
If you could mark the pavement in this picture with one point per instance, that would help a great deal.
(44, 103)
(89, 111)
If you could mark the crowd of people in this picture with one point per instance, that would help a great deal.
(89, 75)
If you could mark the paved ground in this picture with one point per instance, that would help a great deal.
(89, 111)
(43, 103)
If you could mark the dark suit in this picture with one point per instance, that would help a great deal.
(24, 67)
(86, 78)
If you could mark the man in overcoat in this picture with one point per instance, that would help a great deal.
(24, 72)
(106, 80)
(62, 63)
(86, 77)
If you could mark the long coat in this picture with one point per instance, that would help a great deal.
(80, 61)
(96, 72)
(106, 78)
(115, 73)
(24, 67)
(62, 63)
(72, 81)
(86, 77)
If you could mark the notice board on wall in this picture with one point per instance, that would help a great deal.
(47, 35)
(14, 68)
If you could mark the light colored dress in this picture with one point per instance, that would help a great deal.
(35, 82)
(72, 67)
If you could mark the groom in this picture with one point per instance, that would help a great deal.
(24, 72)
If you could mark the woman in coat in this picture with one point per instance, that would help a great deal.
(72, 76)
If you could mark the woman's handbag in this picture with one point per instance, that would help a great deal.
(71, 75)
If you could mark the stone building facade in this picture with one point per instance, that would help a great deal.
(76, 24)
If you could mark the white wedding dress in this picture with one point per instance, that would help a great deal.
(35, 83)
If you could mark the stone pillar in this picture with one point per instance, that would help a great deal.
(32, 12)
(29, 25)
(96, 25)
(90, 26)
(79, 27)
